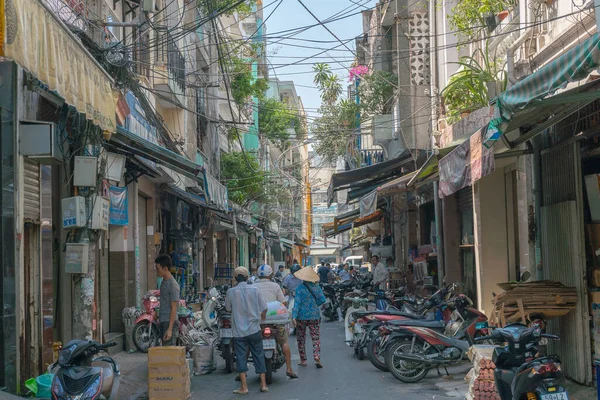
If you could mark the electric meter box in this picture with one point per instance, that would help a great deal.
(77, 258)
(100, 213)
(73, 212)
(86, 171)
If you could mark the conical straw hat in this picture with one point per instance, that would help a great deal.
(307, 274)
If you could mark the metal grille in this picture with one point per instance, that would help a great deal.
(563, 262)
(563, 255)
(31, 190)
(77, 386)
(558, 176)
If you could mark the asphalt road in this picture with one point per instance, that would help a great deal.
(343, 377)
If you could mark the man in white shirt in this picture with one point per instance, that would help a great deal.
(380, 274)
(271, 291)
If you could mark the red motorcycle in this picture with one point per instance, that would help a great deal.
(146, 331)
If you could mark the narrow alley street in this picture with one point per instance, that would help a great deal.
(343, 377)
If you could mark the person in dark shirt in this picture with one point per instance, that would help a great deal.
(323, 272)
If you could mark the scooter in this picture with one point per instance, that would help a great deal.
(518, 374)
(274, 358)
(81, 376)
(414, 347)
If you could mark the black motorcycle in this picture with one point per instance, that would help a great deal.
(81, 376)
(519, 374)
(330, 308)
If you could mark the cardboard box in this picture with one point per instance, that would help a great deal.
(169, 382)
(595, 297)
(166, 355)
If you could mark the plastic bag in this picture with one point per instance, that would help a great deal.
(277, 313)
(204, 360)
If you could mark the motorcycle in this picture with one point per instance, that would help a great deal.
(330, 308)
(81, 376)
(146, 330)
(376, 335)
(519, 374)
(274, 358)
(216, 317)
(412, 348)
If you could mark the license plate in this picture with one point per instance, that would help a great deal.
(481, 325)
(555, 396)
(268, 344)
(226, 333)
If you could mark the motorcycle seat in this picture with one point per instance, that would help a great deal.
(402, 314)
(419, 323)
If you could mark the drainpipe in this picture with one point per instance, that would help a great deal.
(537, 192)
(510, 56)
(434, 119)
(136, 243)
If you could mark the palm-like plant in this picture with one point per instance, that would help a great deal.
(467, 90)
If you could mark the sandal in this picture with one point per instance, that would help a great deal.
(302, 363)
(318, 364)
(264, 390)
(292, 375)
(238, 391)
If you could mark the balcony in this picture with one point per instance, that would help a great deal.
(169, 77)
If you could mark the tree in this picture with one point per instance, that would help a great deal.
(376, 91)
(243, 177)
(274, 120)
(469, 17)
(229, 7)
(243, 84)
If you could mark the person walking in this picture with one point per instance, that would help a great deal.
(169, 299)
(307, 314)
(271, 291)
(380, 274)
(324, 272)
(248, 308)
(279, 273)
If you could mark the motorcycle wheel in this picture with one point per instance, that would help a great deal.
(228, 356)
(375, 354)
(269, 373)
(405, 371)
(145, 336)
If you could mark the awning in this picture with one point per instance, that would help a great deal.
(354, 221)
(573, 66)
(365, 177)
(42, 44)
(429, 170)
(397, 185)
(376, 216)
(216, 193)
(144, 148)
(327, 251)
(189, 198)
(287, 243)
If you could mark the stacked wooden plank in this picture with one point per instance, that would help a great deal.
(521, 300)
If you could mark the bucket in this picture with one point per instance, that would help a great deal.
(44, 384)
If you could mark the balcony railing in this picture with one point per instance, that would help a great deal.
(168, 53)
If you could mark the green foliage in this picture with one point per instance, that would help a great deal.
(243, 177)
(467, 90)
(333, 129)
(208, 6)
(274, 120)
(243, 84)
(469, 16)
(376, 92)
(328, 83)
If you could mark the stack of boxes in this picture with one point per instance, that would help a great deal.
(168, 373)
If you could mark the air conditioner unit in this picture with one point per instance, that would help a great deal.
(40, 141)
(148, 5)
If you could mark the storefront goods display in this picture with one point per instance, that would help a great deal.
(542, 298)
(168, 373)
(481, 376)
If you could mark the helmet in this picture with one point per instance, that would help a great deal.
(295, 268)
(264, 271)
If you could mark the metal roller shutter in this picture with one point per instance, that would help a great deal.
(563, 255)
(31, 190)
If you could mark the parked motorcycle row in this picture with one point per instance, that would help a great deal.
(409, 337)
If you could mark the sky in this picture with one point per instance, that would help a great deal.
(289, 15)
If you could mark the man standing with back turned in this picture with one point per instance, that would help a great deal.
(248, 308)
(169, 299)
